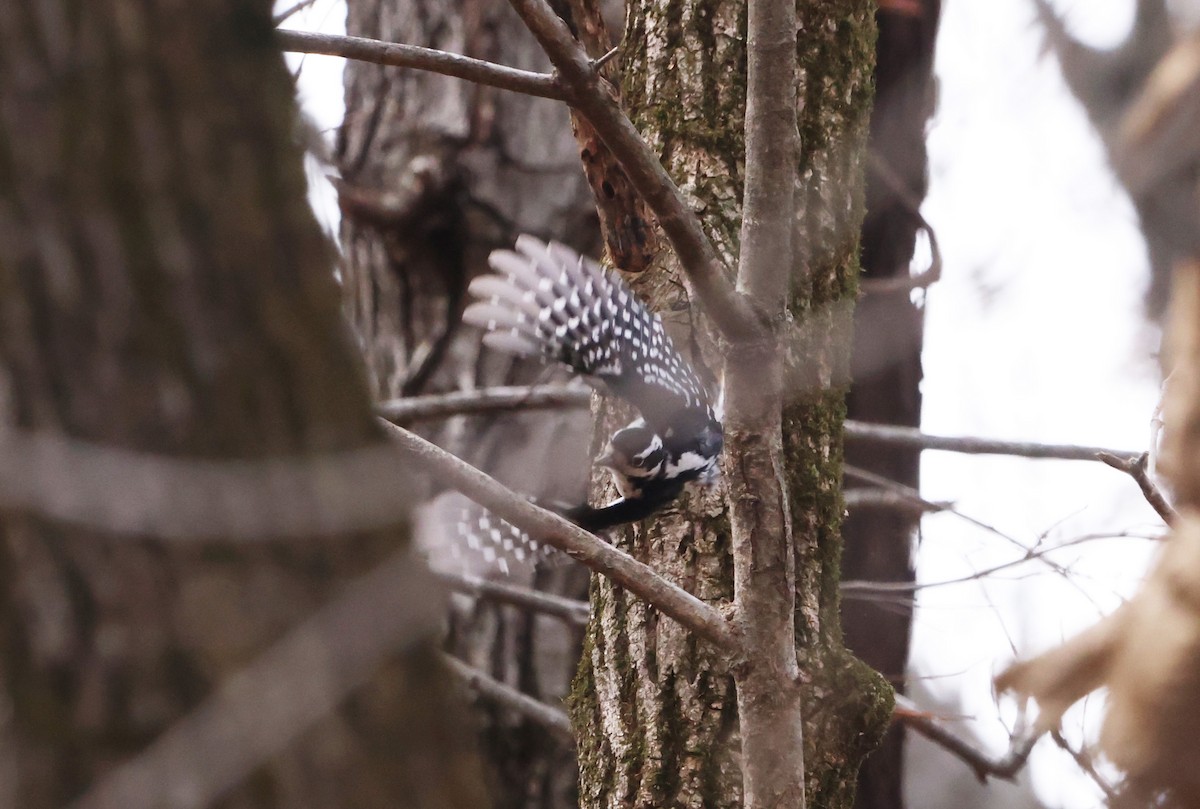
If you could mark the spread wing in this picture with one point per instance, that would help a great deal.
(546, 299)
(458, 535)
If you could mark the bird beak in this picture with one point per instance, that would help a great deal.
(606, 460)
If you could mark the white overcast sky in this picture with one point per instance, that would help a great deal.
(1035, 332)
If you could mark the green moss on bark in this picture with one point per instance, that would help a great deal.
(684, 84)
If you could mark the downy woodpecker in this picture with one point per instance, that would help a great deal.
(546, 299)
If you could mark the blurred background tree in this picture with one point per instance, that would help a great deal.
(167, 297)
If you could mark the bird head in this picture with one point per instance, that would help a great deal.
(634, 451)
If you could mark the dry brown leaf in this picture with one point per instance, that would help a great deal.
(1154, 682)
(1059, 678)
(1148, 652)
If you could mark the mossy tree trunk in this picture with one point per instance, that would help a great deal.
(164, 289)
(654, 709)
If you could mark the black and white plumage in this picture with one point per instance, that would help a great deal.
(546, 299)
(460, 536)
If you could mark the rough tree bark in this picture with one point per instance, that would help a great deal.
(164, 289)
(436, 173)
(888, 336)
(655, 710)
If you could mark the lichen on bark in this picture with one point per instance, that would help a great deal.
(654, 709)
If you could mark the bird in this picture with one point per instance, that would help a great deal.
(460, 537)
(545, 299)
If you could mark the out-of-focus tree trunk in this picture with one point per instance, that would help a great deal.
(436, 173)
(887, 365)
(1107, 82)
(654, 709)
(164, 289)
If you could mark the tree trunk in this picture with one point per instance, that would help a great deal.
(436, 173)
(889, 332)
(654, 709)
(164, 289)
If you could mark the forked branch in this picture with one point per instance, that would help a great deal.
(579, 84)
(733, 315)
(980, 762)
(569, 538)
(1138, 469)
(394, 54)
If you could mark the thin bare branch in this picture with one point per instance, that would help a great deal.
(914, 497)
(907, 436)
(435, 61)
(1138, 469)
(984, 766)
(551, 718)
(868, 498)
(608, 56)
(258, 712)
(1084, 759)
(736, 319)
(912, 206)
(898, 491)
(858, 588)
(577, 543)
(485, 400)
(569, 610)
(582, 87)
(770, 716)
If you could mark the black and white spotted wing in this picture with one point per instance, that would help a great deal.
(546, 299)
(461, 536)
